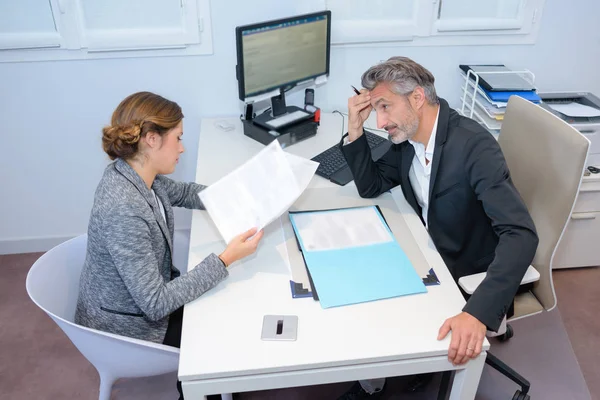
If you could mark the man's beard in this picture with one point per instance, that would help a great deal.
(405, 131)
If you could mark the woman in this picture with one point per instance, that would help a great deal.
(128, 284)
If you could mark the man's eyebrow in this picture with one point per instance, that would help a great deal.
(379, 101)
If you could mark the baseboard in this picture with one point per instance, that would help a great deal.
(31, 245)
(39, 244)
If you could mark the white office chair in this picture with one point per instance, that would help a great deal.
(53, 285)
(546, 158)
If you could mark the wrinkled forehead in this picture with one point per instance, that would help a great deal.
(383, 93)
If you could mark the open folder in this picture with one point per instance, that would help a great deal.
(352, 256)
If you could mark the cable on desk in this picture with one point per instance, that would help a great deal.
(366, 124)
(343, 120)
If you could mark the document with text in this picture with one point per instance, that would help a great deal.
(332, 230)
(258, 192)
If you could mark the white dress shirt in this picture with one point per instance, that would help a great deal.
(420, 171)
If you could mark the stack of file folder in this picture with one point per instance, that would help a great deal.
(495, 86)
(352, 256)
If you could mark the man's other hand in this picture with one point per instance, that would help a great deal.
(467, 337)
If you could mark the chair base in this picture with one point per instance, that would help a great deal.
(521, 396)
(498, 365)
(507, 335)
(445, 384)
(511, 374)
(501, 330)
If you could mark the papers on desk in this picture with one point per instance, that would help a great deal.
(332, 231)
(352, 256)
(257, 192)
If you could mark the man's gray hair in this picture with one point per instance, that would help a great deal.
(404, 75)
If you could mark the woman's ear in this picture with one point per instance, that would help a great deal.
(152, 139)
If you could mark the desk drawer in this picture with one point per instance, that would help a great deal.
(579, 246)
(589, 195)
(587, 201)
(593, 135)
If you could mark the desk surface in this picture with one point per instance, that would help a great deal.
(222, 329)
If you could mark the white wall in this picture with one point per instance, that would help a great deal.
(52, 112)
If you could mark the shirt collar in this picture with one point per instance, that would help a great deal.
(431, 143)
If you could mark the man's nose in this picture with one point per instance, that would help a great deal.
(381, 121)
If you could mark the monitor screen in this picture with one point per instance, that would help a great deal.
(281, 53)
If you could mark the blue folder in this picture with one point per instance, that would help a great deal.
(359, 274)
(504, 96)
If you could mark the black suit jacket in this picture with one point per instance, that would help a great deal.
(476, 217)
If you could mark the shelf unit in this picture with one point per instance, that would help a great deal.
(475, 103)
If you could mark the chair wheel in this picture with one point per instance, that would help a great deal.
(520, 396)
(507, 335)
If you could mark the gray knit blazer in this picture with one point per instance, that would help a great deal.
(128, 283)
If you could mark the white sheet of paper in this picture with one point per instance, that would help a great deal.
(257, 192)
(303, 169)
(340, 229)
(576, 110)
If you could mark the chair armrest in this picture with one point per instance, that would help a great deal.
(470, 282)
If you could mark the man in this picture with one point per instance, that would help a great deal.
(452, 172)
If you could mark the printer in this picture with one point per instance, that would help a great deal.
(582, 111)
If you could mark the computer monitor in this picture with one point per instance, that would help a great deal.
(281, 53)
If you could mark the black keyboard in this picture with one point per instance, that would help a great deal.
(332, 159)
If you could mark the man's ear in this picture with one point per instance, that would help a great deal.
(417, 98)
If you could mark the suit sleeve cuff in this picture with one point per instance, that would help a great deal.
(356, 146)
(485, 316)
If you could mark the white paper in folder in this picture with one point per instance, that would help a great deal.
(257, 192)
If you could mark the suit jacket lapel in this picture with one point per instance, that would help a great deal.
(164, 225)
(408, 153)
(129, 173)
(440, 139)
(164, 198)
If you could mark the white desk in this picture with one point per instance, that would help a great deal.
(221, 346)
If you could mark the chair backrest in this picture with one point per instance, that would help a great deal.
(53, 285)
(53, 280)
(546, 157)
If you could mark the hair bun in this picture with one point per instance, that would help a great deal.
(121, 141)
(136, 116)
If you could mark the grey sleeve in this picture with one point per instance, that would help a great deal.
(182, 194)
(129, 243)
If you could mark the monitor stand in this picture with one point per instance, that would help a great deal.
(278, 106)
(286, 124)
(286, 136)
(282, 115)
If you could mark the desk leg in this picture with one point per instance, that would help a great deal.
(224, 396)
(466, 380)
